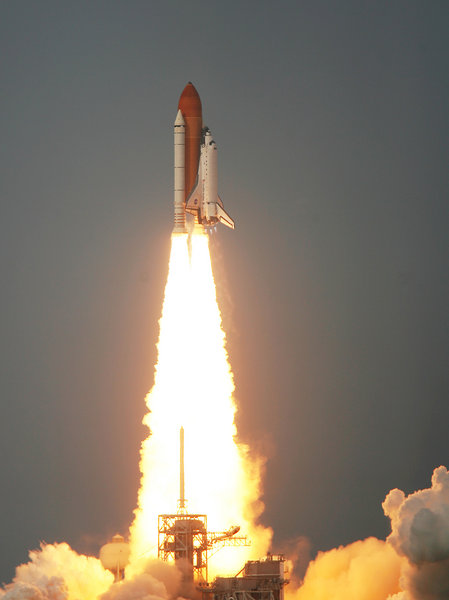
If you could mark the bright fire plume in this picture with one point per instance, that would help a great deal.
(193, 388)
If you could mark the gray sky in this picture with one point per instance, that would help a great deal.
(332, 125)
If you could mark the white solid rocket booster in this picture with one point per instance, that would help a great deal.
(179, 139)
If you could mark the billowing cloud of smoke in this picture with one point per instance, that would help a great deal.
(413, 564)
(364, 570)
(420, 533)
(158, 581)
(56, 572)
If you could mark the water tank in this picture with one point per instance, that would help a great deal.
(114, 556)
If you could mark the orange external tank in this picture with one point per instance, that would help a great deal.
(190, 107)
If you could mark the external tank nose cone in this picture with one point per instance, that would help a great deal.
(189, 102)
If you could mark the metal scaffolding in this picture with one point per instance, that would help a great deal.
(184, 537)
(258, 580)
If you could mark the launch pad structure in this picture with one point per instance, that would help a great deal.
(258, 580)
(183, 538)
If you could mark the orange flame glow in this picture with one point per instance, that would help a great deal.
(194, 388)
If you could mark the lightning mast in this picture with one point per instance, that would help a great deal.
(184, 537)
(182, 501)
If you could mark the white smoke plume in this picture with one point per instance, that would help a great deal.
(158, 581)
(420, 533)
(56, 572)
(413, 564)
(364, 570)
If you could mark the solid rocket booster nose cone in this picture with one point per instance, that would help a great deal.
(179, 119)
(189, 102)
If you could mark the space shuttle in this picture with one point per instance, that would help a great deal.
(196, 167)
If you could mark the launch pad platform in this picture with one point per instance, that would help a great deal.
(259, 580)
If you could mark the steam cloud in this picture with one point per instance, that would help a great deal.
(412, 564)
(159, 581)
(365, 570)
(420, 534)
(56, 572)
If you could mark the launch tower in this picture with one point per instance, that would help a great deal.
(183, 537)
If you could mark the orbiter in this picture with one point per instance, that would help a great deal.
(196, 177)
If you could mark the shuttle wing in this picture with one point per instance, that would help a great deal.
(223, 216)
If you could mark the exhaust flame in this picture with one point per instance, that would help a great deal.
(194, 388)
